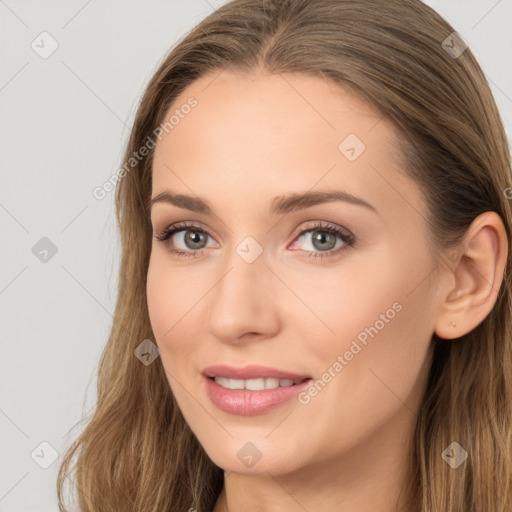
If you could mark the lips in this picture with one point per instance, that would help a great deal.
(250, 402)
(251, 372)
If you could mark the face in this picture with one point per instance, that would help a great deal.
(336, 290)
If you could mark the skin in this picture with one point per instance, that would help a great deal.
(252, 138)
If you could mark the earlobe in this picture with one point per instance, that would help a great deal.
(478, 275)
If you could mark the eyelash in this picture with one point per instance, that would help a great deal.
(347, 238)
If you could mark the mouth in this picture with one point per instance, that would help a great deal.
(253, 396)
(253, 389)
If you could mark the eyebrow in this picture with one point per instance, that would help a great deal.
(280, 204)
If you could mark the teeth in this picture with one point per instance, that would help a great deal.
(255, 384)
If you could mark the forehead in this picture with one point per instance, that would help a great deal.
(269, 112)
(269, 134)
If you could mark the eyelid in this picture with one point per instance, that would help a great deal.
(184, 226)
(319, 225)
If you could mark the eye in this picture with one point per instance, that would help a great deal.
(189, 235)
(324, 239)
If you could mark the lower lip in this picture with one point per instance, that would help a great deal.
(250, 403)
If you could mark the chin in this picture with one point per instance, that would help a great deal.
(251, 458)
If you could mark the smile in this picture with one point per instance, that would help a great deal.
(257, 384)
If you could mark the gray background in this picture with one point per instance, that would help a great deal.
(65, 122)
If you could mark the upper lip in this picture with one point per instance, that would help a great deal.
(250, 372)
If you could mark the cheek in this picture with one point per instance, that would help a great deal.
(334, 306)
(160, 301)
(176, 300)
(382, 332)
(167, 305)
(171, 328)
(172, 292)
(377, 353)
(374, 309)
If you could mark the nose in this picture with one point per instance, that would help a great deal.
(243, 304)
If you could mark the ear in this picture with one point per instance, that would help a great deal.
(475, 277)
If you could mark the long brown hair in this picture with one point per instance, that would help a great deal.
(136, 452)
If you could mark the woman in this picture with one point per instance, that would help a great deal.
(370, 374)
